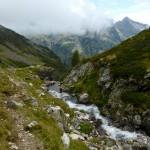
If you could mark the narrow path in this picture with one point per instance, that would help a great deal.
(26, 140)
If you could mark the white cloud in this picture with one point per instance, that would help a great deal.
(53, 16)
(42, 16)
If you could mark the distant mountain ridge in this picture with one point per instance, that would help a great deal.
(89, 43)
(17, 51)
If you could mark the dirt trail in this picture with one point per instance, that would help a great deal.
(26, 140)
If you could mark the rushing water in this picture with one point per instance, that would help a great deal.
(112, 131)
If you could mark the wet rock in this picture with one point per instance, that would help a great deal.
(58, 115)
(84, 98)
(66, 140)
(101, 131)
(82, 116)
(79, 72)
(98, 123)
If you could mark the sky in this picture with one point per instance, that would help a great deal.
(72, 16)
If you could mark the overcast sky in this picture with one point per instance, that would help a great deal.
(55, 16)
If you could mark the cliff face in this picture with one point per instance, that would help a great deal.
(119, 82)
(90, 43)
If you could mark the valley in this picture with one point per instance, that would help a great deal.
(69, 91)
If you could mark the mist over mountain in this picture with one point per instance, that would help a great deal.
(90, 42)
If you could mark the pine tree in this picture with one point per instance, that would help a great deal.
(75, 58)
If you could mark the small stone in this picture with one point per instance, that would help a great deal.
(32, 125)
(31, 84)
(66, 140)
(76, 137)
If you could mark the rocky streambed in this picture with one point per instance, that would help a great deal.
(101, 135)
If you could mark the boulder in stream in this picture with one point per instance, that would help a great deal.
(84, 98)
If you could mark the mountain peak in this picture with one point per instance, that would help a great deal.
(126, 19)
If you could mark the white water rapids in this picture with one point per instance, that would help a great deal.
(112, 131)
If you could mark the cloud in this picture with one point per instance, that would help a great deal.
(72, 16)
(51, 16)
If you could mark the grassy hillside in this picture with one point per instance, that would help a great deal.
(22, 85)
(91, 42)
(131, 59)
(120, 82)
(17, 51)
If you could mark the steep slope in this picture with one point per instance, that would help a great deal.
(128, 27)
(16, 50)
(25, 121)
(89, 43)
(118, 81)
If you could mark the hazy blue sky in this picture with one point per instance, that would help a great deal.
(117, 9)
(45, 16)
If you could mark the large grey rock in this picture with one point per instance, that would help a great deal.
(104, 78)
(84, 98)
(58, 115)
(78, 73)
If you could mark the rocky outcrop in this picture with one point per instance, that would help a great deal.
(105, 79)
(78, 73)
(58, 115)
(126, 115)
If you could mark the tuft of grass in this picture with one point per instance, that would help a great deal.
(7, 129)
(77, 145)
(86, 127)
(136, 98)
